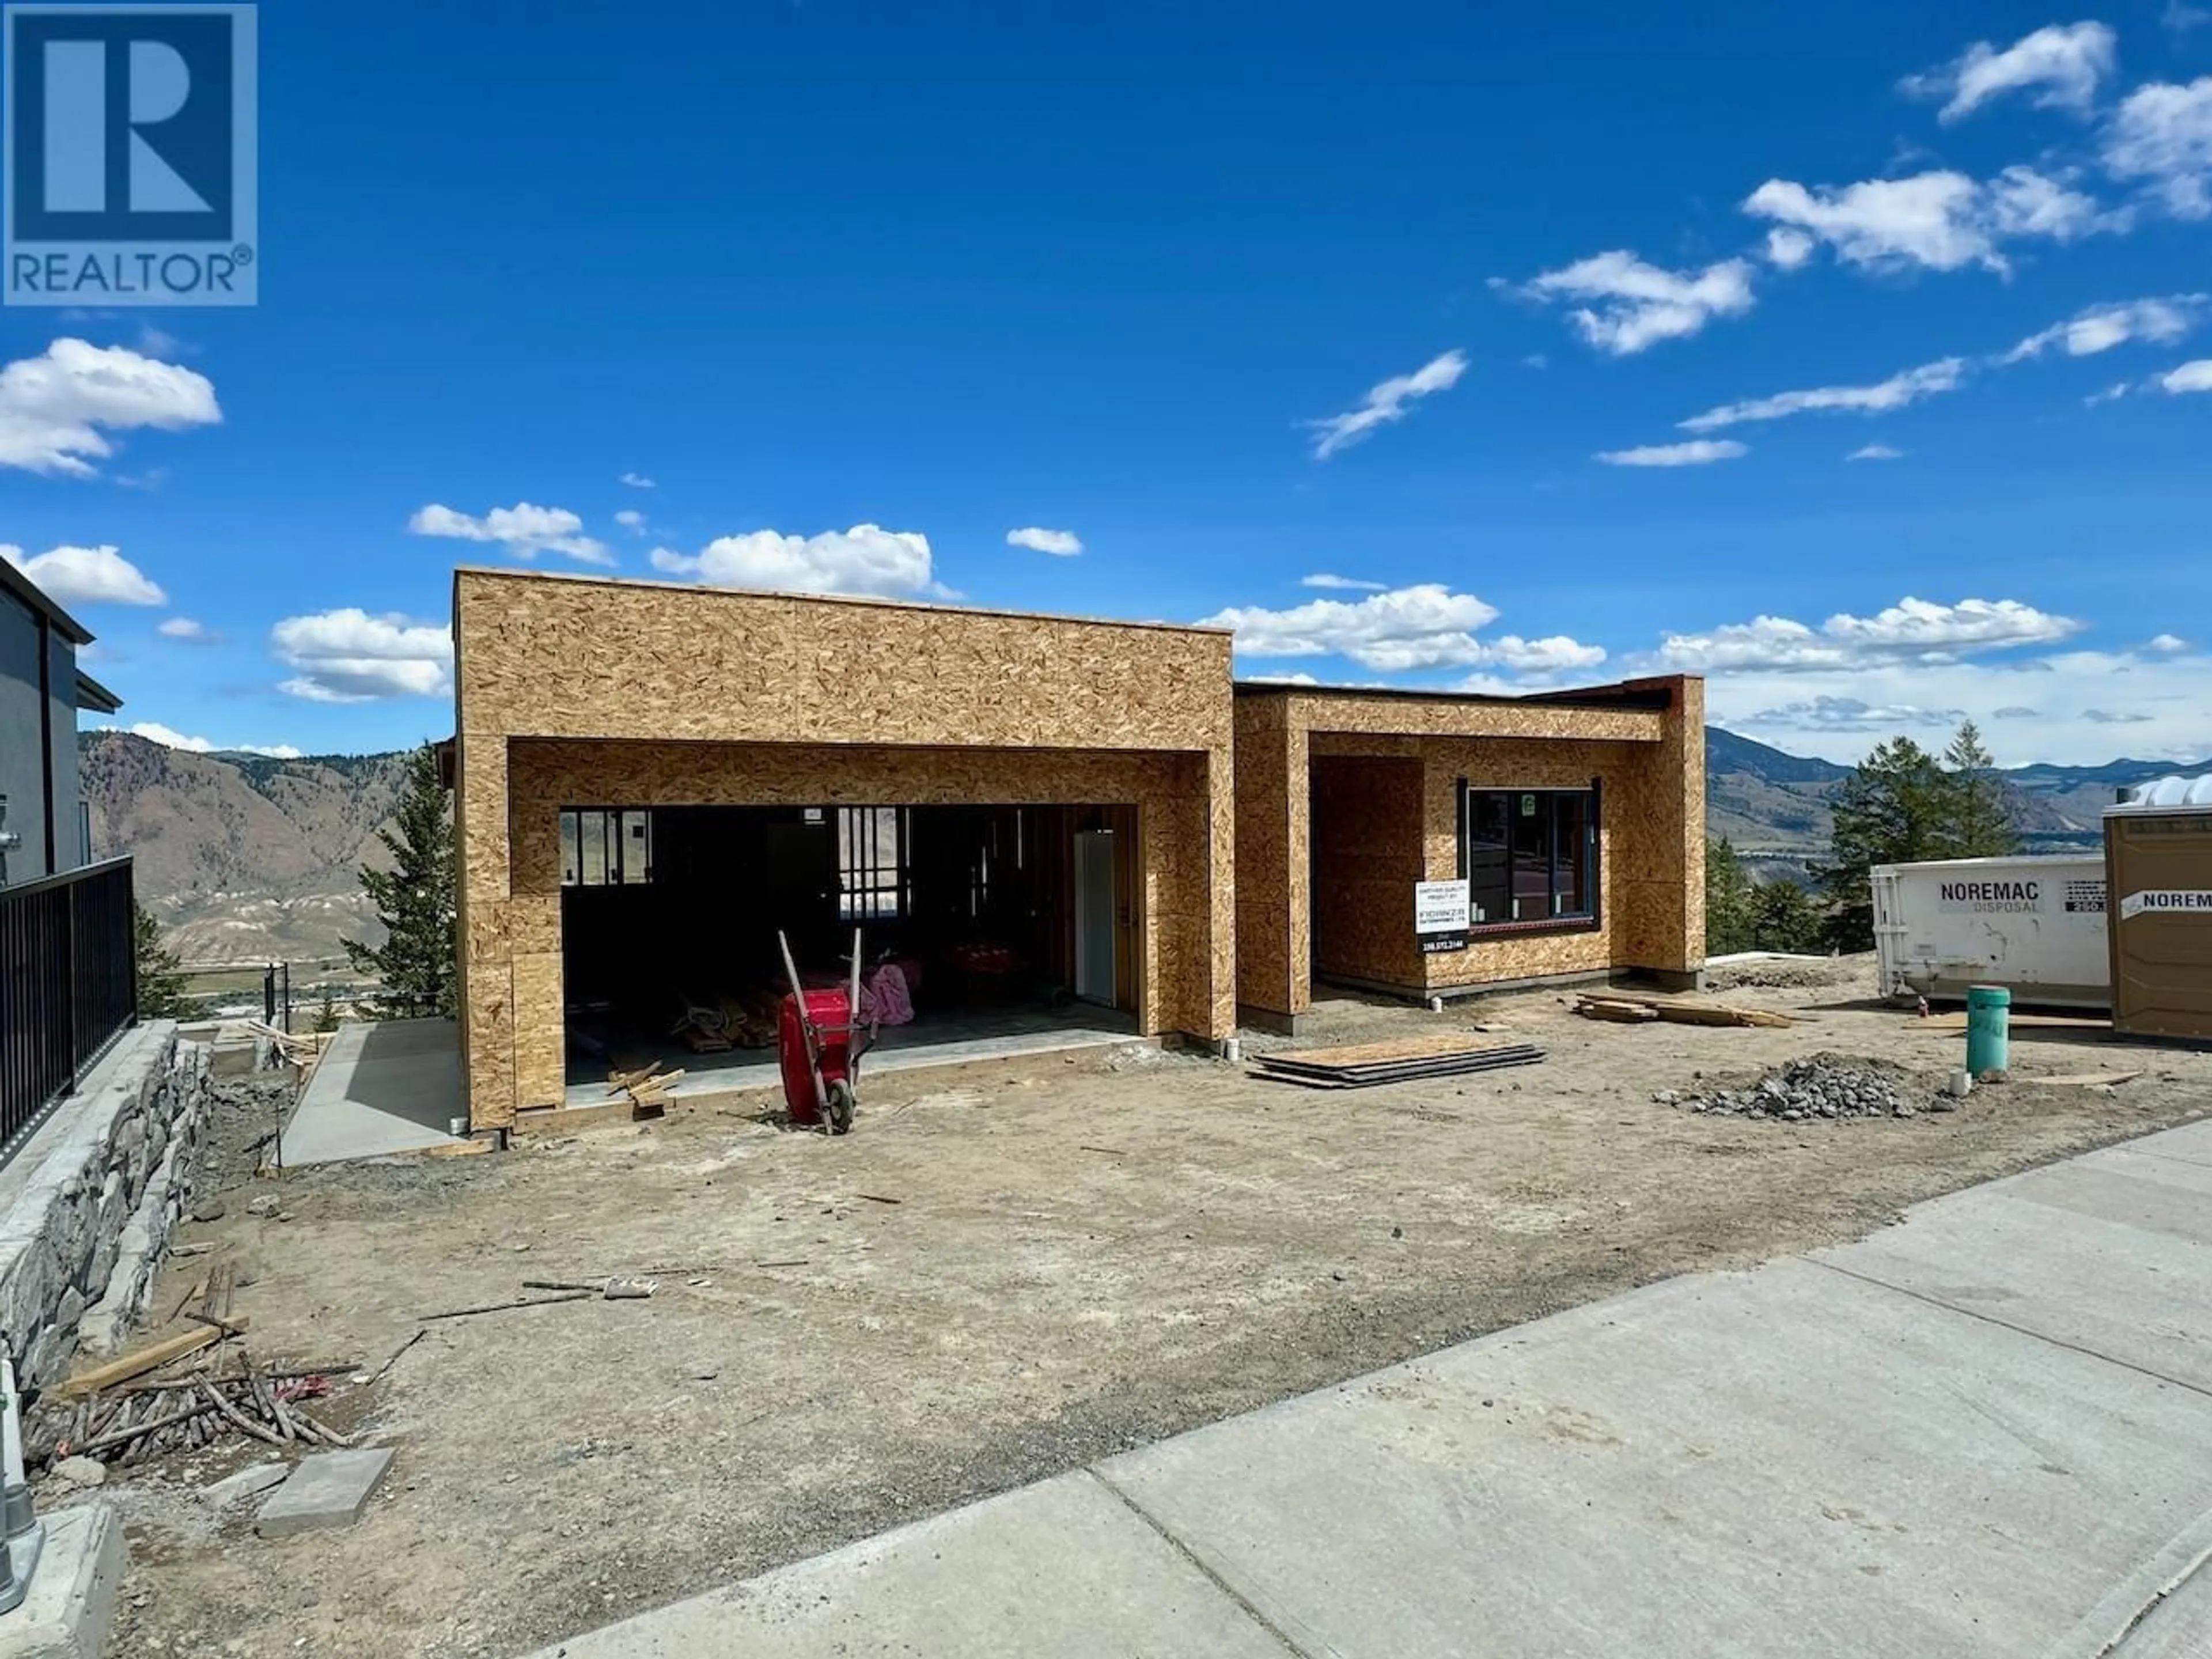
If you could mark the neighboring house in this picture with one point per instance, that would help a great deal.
(43, 829)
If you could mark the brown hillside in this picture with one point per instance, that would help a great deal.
(242, 858)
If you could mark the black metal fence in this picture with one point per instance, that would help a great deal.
(69, 987)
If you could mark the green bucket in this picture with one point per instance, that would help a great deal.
(1988, 1031)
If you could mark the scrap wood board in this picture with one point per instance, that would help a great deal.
(1681, 1011)
(1379, 1063)
(1388, 1052)
(1954, 1023)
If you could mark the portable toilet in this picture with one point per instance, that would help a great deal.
(2158, 874)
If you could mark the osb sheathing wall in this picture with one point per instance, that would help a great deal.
(1369, 849)
(654, 679)
(1651, 859)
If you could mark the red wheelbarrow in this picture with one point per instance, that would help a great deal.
(819, 1042)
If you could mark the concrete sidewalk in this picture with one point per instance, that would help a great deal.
(1987, 1430)
(383, 1086)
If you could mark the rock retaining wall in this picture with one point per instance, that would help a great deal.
(88, 1205)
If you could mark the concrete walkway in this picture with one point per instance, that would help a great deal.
(1986, 1432)
(381, 1087)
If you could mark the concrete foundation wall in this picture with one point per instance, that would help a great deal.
(88, 1205)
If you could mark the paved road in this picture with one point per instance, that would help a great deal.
(1986, 1432)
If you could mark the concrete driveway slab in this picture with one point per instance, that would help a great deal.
(1062, 1569)
(381, 1087)
(1791, 1461)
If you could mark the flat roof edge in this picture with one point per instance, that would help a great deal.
(861, 600)
(1646, 699)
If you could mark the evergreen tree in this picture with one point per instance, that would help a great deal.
(415, 902)
(326, 1013)
(1981, 824)
(1784, 917)
(1895, 808)
(161, 984)
(1727, 901)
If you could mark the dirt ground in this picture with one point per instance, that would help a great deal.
(1078, 1261)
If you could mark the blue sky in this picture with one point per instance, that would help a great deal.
(1558, 326)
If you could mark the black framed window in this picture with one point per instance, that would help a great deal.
(606, 847)
(1531, 856)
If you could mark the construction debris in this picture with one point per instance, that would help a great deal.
(1825, 1086)
(155, 1355)
(1628, 1007)
(612, 1289)
(503, 1307)
(647, 1088)
(1369, 1065)
(2082, 1080)
(144, 1421)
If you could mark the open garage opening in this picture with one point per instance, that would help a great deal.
(984, 930)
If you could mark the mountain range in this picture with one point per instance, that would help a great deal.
(245, 859)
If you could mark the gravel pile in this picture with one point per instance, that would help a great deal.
(1825, 1086)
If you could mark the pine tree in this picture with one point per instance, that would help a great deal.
(1727, 901)
(415, 902)
(1895, 808)
(1981, 818)
(161, 982)
(1783, 917)
(326, 1013)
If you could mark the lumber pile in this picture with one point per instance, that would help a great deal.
(1629, 1008)
(142, 1421)
(728, 1022)
(1410, 1060)
(148, 1404)
(647, 1088)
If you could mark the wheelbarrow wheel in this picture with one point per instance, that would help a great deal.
(840, 1112)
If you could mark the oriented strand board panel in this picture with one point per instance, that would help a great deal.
(565, 657)
(574, 691)
(1651, 862)
(1365, 826)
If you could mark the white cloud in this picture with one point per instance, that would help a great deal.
(2160, 136)
(2099, 328)
(2180, 17)
(1633, 306)
(523, 531)
(1936, 220)
(2060, 65)
(350, 656)
(169, 738)
(1910, 631)
(1787, 249)
(2189, 377)
(1545, 656)
(1876, 453)
(1060, 544)
(1700, 452)
(632, 520)
(2117, 717)
(2111, 393)
(1348, 584)
(53, 407)
(1827, 713)
(86, 575)
(1391, 400)
(1425, 626)
(637, 481)
(1906, 386)
(1397, 630)
(183, 628)
(2165, 644)
(866, 559)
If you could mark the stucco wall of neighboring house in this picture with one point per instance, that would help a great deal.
(574, 691)
(23, 768)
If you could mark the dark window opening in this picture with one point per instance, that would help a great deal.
(1531, 856)
(606, 847)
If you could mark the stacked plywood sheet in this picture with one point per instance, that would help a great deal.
(1405, 1059)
